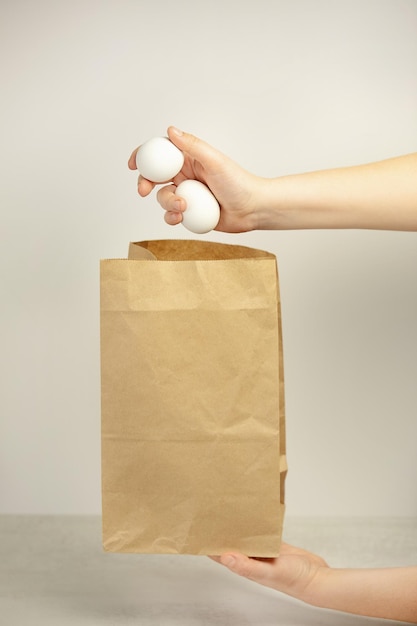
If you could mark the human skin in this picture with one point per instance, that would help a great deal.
(387, 593)
(378, 196)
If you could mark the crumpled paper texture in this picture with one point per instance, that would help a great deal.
(193, 442)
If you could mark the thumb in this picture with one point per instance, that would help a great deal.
(258, 571)
(196, 148)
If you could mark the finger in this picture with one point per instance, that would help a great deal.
(173, 218)
(168, 199)
(132, 160)
(196, 148)
(214, 558)
(145, 186)
(258, 571)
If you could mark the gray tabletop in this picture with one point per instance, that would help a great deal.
(53, 572)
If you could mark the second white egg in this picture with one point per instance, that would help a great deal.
(203, 211)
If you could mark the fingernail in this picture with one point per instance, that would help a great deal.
(177, 205)
(229, 561)
(176, 131)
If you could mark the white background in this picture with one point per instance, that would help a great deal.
(281, 86)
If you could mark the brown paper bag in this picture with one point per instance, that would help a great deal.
(193, 443)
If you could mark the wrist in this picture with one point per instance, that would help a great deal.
(283, 204)
(318, 200)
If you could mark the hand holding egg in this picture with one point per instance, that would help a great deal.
(159, 161)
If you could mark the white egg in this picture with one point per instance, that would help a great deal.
(203, 211)
(159, 160)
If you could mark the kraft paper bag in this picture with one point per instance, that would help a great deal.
(193, 442)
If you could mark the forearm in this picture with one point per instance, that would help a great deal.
(385, 593)
(380, 195)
